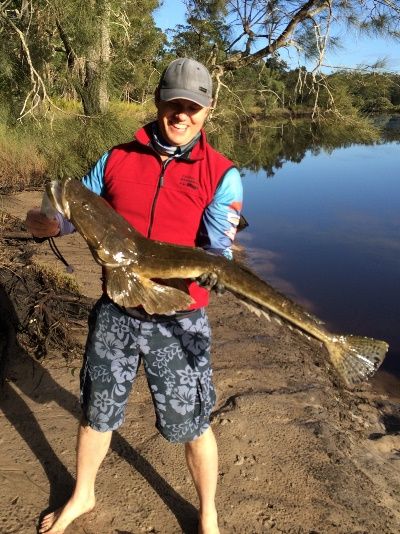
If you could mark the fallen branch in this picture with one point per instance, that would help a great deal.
(23, 236)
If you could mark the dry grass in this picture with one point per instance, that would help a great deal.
(57, 279)
(21, 166)
(63, 143)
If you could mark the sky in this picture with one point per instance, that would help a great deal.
(355, 50)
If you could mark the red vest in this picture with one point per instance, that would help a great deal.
(167, 202)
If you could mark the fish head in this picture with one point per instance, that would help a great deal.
(111, 239)
(79, 205)
(54, 191)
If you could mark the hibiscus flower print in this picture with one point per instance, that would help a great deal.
(195, 342)
(195, 336)
(109, 347)
(103, 319)
(102, 401)
(183, 399)
(124, 369)
(120, 328)
(140, 344)
(169, 384)
(159, 398)
(188, 376)
(201, 325)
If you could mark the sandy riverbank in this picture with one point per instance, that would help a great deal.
(298, 454)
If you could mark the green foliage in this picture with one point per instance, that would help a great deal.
(93, 50)
(79, 49)
(137, 46)
(370, 92)
(378, 104)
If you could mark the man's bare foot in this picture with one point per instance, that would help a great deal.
(56, 522)
(208, 524)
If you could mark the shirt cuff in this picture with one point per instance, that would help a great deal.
(66, 226)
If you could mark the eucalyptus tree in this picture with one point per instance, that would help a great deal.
(83, 47)
(137, 51)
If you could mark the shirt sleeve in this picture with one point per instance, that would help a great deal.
(93, 180)
(221, 217)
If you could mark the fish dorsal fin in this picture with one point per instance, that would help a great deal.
(128, 289)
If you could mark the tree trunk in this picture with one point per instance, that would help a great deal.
(94, 91)
(91, 83)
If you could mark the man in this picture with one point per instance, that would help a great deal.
(171, 185)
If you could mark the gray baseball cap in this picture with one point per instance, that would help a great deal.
(188, 79)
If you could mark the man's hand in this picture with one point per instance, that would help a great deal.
(210, 281)
(41, 226)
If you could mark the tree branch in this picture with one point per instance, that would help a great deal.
(38, 92)
(309, 10)
(71, 55)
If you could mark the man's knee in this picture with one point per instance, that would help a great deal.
(200, 439)
(187, 433)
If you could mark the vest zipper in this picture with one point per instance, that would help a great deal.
(159, 186)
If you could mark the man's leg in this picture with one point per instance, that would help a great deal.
(202, 461)
(92, 447)
(178, 369)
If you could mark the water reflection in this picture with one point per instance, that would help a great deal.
(259, 146)
(326, 231)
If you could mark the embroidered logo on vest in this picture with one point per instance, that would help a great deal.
(189, 181)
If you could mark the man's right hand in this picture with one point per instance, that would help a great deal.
(41, 226)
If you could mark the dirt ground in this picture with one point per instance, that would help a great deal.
(298, 453)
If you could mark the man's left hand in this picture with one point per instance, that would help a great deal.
(210, 281)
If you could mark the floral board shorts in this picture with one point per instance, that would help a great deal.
(176, 356)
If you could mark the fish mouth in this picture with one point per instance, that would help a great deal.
(56, 192)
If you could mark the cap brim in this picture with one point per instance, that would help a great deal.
(173, 94)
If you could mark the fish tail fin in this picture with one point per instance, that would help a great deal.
(128, 289)
(355, 357)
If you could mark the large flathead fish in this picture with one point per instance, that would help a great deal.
(133, 263)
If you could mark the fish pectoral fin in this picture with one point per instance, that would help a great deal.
(102, 256)
(128, 289)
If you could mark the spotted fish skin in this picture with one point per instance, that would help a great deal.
(132, 263)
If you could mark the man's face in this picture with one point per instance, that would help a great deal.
(180, 120)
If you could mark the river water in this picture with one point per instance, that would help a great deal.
(325, 231)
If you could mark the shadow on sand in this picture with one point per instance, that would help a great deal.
(35, 382)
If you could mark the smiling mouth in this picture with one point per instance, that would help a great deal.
(180, 127)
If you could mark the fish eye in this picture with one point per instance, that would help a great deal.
(85, 206)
